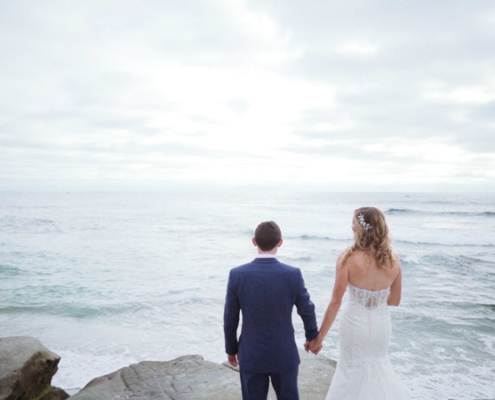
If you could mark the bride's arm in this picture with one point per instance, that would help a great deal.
(396, 288)
(339, 288)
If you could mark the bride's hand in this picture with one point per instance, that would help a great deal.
(315, 345)
(317, 350)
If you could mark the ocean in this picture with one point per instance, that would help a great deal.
(110, 279)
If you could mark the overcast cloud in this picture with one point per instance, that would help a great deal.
(327, 95)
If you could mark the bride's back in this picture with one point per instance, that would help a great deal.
(364, 272)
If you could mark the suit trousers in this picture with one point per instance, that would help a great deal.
(255, 385)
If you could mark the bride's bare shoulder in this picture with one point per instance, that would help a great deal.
(358, 255)
(396, 259)
(349, 257)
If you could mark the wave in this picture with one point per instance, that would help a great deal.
(298, 259)
(401, 211)
(481, 214)
(315, 237)
(206, 301)
(410, 242)
(391, 211)
(468, 305)
(67, 310)
(9, 271)
(42, 221)
(13, 224)
(418, 243)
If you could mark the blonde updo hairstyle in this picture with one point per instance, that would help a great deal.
(375, 238)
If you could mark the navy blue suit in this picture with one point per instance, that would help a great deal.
(266, 291)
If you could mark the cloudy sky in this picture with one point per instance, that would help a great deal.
(301, 95)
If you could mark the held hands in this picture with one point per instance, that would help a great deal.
(314, 346)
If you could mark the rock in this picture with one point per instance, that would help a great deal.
(55, 394)
(315, 375)
(26, 368)
(187, 377)
(191, 377)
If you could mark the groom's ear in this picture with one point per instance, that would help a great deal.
(280, 243)
(254, 242)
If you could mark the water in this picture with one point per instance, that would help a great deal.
(110, 279)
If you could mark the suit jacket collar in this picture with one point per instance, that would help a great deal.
(270, 260)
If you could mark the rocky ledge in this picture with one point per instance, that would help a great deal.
(27, 367)
(26, 370)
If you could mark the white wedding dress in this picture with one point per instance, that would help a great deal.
(364, 370)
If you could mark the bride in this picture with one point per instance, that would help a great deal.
(372, 274)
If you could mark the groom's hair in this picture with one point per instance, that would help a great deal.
(267, 235)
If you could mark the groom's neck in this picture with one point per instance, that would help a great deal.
(272, 251)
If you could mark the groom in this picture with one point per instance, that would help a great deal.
(265, 290)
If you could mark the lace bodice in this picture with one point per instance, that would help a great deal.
(368, 298)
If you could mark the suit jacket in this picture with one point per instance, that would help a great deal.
(266, 291)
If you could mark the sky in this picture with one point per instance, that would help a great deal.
(292, 95)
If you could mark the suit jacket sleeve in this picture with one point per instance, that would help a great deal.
(306, 309)
(231, 318)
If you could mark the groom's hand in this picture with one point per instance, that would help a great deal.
(307, 346)
(233, 360)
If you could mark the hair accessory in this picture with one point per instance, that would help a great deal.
(367, 227)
